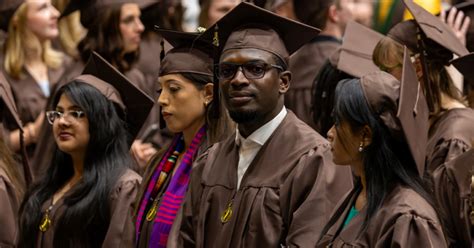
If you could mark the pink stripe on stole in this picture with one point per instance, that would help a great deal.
(170, 205)
(175, 196)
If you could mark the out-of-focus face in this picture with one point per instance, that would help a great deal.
(346, 9)
(363, 12)
(344, 144)
(182, 103)
(71, 130)
(218, 8)
(42, 19)
(131, 27)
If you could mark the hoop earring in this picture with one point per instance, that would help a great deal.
(361, 146)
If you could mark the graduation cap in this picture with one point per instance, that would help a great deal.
(465, 65)
(249, 26)
(401, 106)
(355, 57)
(90, 9)
(7, 9)
(188, 55)
(118, 89)
(431, 26)
(413, 112)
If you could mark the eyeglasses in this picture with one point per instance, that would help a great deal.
(52, 116)
(251, 70)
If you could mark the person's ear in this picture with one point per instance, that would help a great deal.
(333, 14)
(285, 79)
(366, 135)
(208, 92)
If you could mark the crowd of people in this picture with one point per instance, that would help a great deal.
(275, 123)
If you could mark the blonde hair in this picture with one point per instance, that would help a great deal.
(388, 54)
(71, 31)
(21, 40)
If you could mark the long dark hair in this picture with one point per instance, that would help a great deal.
(87, 204)
(104, 37)
(322, 97)
(385, 160)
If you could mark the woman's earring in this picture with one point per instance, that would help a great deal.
(361, 146)
(206, 103)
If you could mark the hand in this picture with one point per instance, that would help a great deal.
(142, 152)
(458, 22)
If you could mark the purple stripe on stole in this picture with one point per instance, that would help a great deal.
(151, 185)
(174, 195)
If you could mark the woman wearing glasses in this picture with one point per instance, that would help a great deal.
(187, 104)
(86, 196)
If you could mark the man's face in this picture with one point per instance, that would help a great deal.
(247, 99)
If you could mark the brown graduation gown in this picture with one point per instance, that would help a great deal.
(9, 206)
(147, 227)
(450, 135)
(285, 196)
(304, 66)
(121, 203)
(405, 219)
(453, 191)
(29, 98)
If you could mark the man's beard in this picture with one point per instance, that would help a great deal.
(243, 116)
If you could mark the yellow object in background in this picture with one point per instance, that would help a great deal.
(432, 6)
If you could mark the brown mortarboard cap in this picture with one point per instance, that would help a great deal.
(7, 9)
(249, 26)
(188, 55)
(435, 29)
(117, 88)
(401, 106)
(90, 9)
(406, 34)
(355, 57)
(413, 113)
(9, 110)
(465, 65)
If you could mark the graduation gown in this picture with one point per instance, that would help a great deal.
(304, 66)
(285, 196)
(9, 206)
(147, 227)
(29, 98)
(450, 135)
(452, 185)
(405, 219)
(121, 202)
